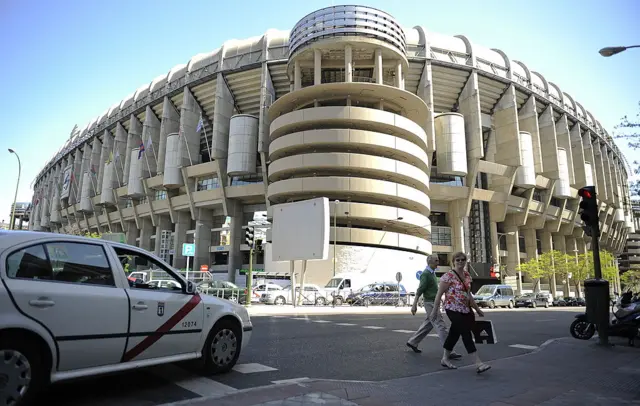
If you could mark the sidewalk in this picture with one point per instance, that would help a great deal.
(562, 372)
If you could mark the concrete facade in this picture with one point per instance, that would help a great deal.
(431, 144)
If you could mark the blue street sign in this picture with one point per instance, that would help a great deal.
(188, 250)
(418, 275)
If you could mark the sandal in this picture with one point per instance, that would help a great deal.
(483, 368)
(447, 364)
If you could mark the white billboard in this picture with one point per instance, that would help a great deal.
(301, 230)
(66, 182)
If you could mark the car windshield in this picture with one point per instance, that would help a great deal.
(485, 290)
(365, 288)
(527, 295)
(334, 283)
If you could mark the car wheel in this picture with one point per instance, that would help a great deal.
(401, 302)
(367, 301)
(280, 300)
(510, 306)
(534, 305)
(321, 301)
(492, 304)
(337, 301)
(546, 305)
(233, 299)
(222, 348)
(22, 372)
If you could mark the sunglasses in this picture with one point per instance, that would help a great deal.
(460, 260)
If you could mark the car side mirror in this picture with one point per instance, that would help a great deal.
(191, 288)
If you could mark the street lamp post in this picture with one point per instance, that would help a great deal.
(610, 51)
(335, 234)
(15, 197)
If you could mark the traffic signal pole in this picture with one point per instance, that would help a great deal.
(596, 289)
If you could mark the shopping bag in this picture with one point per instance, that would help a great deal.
(484, 333)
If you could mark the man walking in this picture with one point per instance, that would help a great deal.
(428, 289)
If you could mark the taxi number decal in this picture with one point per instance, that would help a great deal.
(188, 324)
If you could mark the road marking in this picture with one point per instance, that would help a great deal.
(524, 346)
(373, 327)
(432, 335)
(546, 320)
(293, 380)
(345, 324)
(321, 321)
(403, 331)
(298, 318)
(252, 368)
(197, 384)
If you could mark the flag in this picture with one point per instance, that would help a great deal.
(200, 124)
(141, 150)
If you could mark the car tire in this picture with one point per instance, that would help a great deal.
(337, 301)
(534, 305)
(510, 306)
(27, 359)
(321, 301)
(367, 301)
(280, 300)
(546, 305)
(492, 304)
(222, 348)
(402, 302)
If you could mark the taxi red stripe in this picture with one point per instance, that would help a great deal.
(166, 327)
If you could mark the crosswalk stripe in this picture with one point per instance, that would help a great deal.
(321, 321)
(293, 380)
(403, 331)
(252, 368)
(197, 384)
(524, 346)
(345, 324)
(373, 327)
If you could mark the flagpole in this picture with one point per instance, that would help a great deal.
(206, 140)
(153, 150)
(146, 158)
(186, 144)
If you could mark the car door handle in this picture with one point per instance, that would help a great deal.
(42, 302)
(140, 306)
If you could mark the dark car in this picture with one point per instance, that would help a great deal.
(379, 293)
(223, 289)
(532, 300)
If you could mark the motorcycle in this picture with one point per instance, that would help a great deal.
(624, 323)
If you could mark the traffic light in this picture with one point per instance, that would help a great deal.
(589, 210)
(249, 236)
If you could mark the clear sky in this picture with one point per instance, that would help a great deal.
(66, 62)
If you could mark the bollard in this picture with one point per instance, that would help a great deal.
(596, 293)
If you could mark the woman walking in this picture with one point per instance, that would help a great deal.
(458, 304)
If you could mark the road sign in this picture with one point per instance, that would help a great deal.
(188, 250)
(398, 277)
(418, 275)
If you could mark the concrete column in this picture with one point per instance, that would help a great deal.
(531, 247)
(146, 231)
(235, 241)
(348, 64)
(528, 121)
(378, 66)
(133, 141)
(572, 251)
(105, 155)
(132, 233)
(204, 224)
(189, 146)
(495, 243)
(95, 166)
(560, 244)
(163, 222)
(119, 149)
(183, 223)
(151, 140)
(513, 250)
(456, 222)
(170, 124)
(297, 76)
(398, 78)
(317, 67)
(546, 240)
(223, 111)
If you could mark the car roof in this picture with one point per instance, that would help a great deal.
(10, 238)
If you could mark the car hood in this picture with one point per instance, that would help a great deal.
(226, 306)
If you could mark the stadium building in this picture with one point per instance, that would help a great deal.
(424, 143)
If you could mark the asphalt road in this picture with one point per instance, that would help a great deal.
(345, 347)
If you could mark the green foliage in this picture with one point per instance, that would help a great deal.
(630, 280)
(93, 235)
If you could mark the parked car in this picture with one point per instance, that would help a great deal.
(223, 289)
(311, 295)
(380, 294)
(63, 297)
(495, 295)
(263, 288)
(532, 300)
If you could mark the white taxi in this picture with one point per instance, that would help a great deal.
(67, 310)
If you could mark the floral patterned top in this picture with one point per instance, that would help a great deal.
(456, 296)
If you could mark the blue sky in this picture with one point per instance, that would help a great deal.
(66, 62)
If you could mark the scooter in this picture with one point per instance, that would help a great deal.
(624, 323)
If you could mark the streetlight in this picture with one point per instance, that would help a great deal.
(610, 51)
(15, 197)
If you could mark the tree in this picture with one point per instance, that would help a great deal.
(608, 266)
(535, 270)
(580, 269)
(629, 129)
(630, 280)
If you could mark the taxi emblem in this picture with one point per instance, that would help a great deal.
(160, 309)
